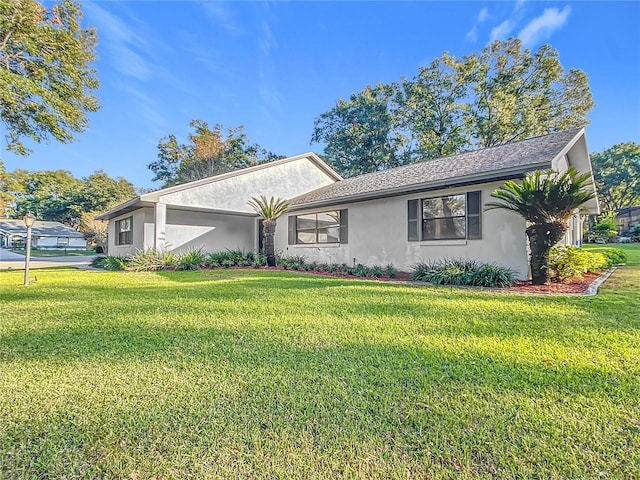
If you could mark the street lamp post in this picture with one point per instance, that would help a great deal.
(29, 220)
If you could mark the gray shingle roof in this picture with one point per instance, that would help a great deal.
(520, 155)
(40, 228)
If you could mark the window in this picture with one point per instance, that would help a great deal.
(321, 227)
(124, 231)
(451, 217)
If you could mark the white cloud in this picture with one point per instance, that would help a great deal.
(223, 17)
(483, 15)
(541, 28)
(126, 45)
(503, 30)
(472, 35)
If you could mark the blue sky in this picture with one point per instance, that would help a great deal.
(274, 67)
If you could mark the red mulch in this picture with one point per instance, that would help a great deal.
(571, 285)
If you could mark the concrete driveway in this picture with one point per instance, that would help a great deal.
(15, 261)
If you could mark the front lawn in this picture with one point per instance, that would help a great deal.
(269, 374)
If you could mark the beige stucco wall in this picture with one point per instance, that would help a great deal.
(285, 180)
(186, 230)
(142, 222)
(212, 232)
(378, 235)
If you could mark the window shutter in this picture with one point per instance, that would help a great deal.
(412, 208)
(474, 215)
(344, 224)
(292, 229)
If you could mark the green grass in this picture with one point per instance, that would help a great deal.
(48, 252)
(265, 374)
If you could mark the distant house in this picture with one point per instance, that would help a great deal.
(13, 233)
(427, 210)
(627, 218)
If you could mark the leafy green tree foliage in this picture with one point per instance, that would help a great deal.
(269, 210)
(617, 174)
(208, 152)
(514, 94)
(546, 200)
(363, 134)
(606, 227)
(431, 109)
(46, 80)
(59, 196)
(498, 95)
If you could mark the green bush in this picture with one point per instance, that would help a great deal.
(614, 255)
(152, 261)
(391, 271)
(463, 271)
(110, 263)
(191, 259)
(634, 232)
(567, 261)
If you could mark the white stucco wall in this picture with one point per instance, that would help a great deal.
(377, 234)
(209, 231)
(140, 225)
(285, 180)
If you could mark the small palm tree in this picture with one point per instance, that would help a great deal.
(269, 210)
(546, 200)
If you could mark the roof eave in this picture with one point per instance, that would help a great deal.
(425, 186)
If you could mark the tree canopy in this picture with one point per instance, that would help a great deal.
(498, 95)
(58, 195)
(208, 152)
(617, 174)
(46, 78)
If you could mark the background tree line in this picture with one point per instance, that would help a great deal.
(59, 196)
(499, 95)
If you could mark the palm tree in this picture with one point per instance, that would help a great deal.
(269, 210)
(546, 200)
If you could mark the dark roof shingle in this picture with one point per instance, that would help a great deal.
(521, 154)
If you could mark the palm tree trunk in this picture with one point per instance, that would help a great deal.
(269, 247)
(542, 237)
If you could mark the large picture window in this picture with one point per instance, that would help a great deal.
(321, 227)
(449, 217)
(124, 231)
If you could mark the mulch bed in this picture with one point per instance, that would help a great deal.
(572, 285)
(569, 286)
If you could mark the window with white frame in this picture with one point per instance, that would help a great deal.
(124, 231)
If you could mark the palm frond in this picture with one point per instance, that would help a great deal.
(545, 197)
(268, 209)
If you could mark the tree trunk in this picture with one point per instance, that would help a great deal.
(543, 236)
(269, 247)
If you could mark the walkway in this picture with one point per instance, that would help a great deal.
(15, 261)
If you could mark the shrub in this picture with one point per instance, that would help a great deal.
(463, 272)
(614, 255)
(567, 261)
(634, 232)
(152, 261)
(191, 259)
(376, 271)
(391, 271)
(215, 259)
(110, 263)
(360, 270)
(227, 263)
